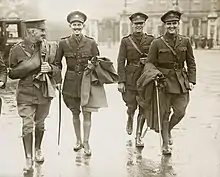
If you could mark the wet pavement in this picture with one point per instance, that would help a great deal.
(196, 149)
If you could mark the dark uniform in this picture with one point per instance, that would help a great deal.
(78, 50)
(173, 69)
(33, 105)
(130, 66)
(3, 77)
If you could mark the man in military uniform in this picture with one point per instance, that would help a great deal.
(78, 49)
(131, 59)
(170, 53)
(32, 61)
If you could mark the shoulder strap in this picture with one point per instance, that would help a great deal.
(26, 53)
(174, 53)
(135, 46)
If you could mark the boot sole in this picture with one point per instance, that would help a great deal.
(78, 148)
(139, 145)
(39, 161)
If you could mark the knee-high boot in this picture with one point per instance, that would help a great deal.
(166, 150)
(173, 122)
(129, 127)
(77, 128)
(38, 140)
(86, 130)
(28, 149)
(140, 125)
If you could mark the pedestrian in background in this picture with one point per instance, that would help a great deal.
(32, 62)
(132, 56)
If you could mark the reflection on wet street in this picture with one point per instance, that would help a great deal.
(143, 167)
(196, 149)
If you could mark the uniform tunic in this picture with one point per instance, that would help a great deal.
(77, 51)
(129, 66)
(32, 105)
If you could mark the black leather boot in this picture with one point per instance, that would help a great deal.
(129, 127)
(140, 125)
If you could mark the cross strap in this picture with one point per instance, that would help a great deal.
(172, 50)
(135, 46)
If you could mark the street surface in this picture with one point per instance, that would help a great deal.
(196, 149)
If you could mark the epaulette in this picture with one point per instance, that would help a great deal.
(89, 37)
(127, 36)
(65, 37)
(158, 37)
(184, 37)
(149, 35)
(16, 44)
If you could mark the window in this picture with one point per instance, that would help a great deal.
(196, 1)
(12, 30)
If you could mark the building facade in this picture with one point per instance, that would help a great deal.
(23, 9)
(200, 17)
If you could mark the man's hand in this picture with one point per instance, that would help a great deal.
(45, 67)
(121, 87)
(1, 83)
(90, 67)
(143, 60)
(59, 87)
(191, 86)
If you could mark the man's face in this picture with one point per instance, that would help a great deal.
(172, 27)
(76, 27)
(138, 26)
(37, 35)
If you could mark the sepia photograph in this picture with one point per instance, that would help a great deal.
(110, 88)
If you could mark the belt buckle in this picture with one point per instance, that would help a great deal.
(175, 66)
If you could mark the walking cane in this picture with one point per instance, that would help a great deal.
(145, 131)
(59, 123)
(158, 109)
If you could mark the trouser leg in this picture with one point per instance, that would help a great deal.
(41, 114)
(179, 104)
(73, 103)
(129, 98)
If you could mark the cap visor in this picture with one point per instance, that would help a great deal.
(172, 19)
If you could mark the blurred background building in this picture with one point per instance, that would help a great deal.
(200, 19)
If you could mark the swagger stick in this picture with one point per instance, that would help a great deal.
(59, 124)
(158, 110)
